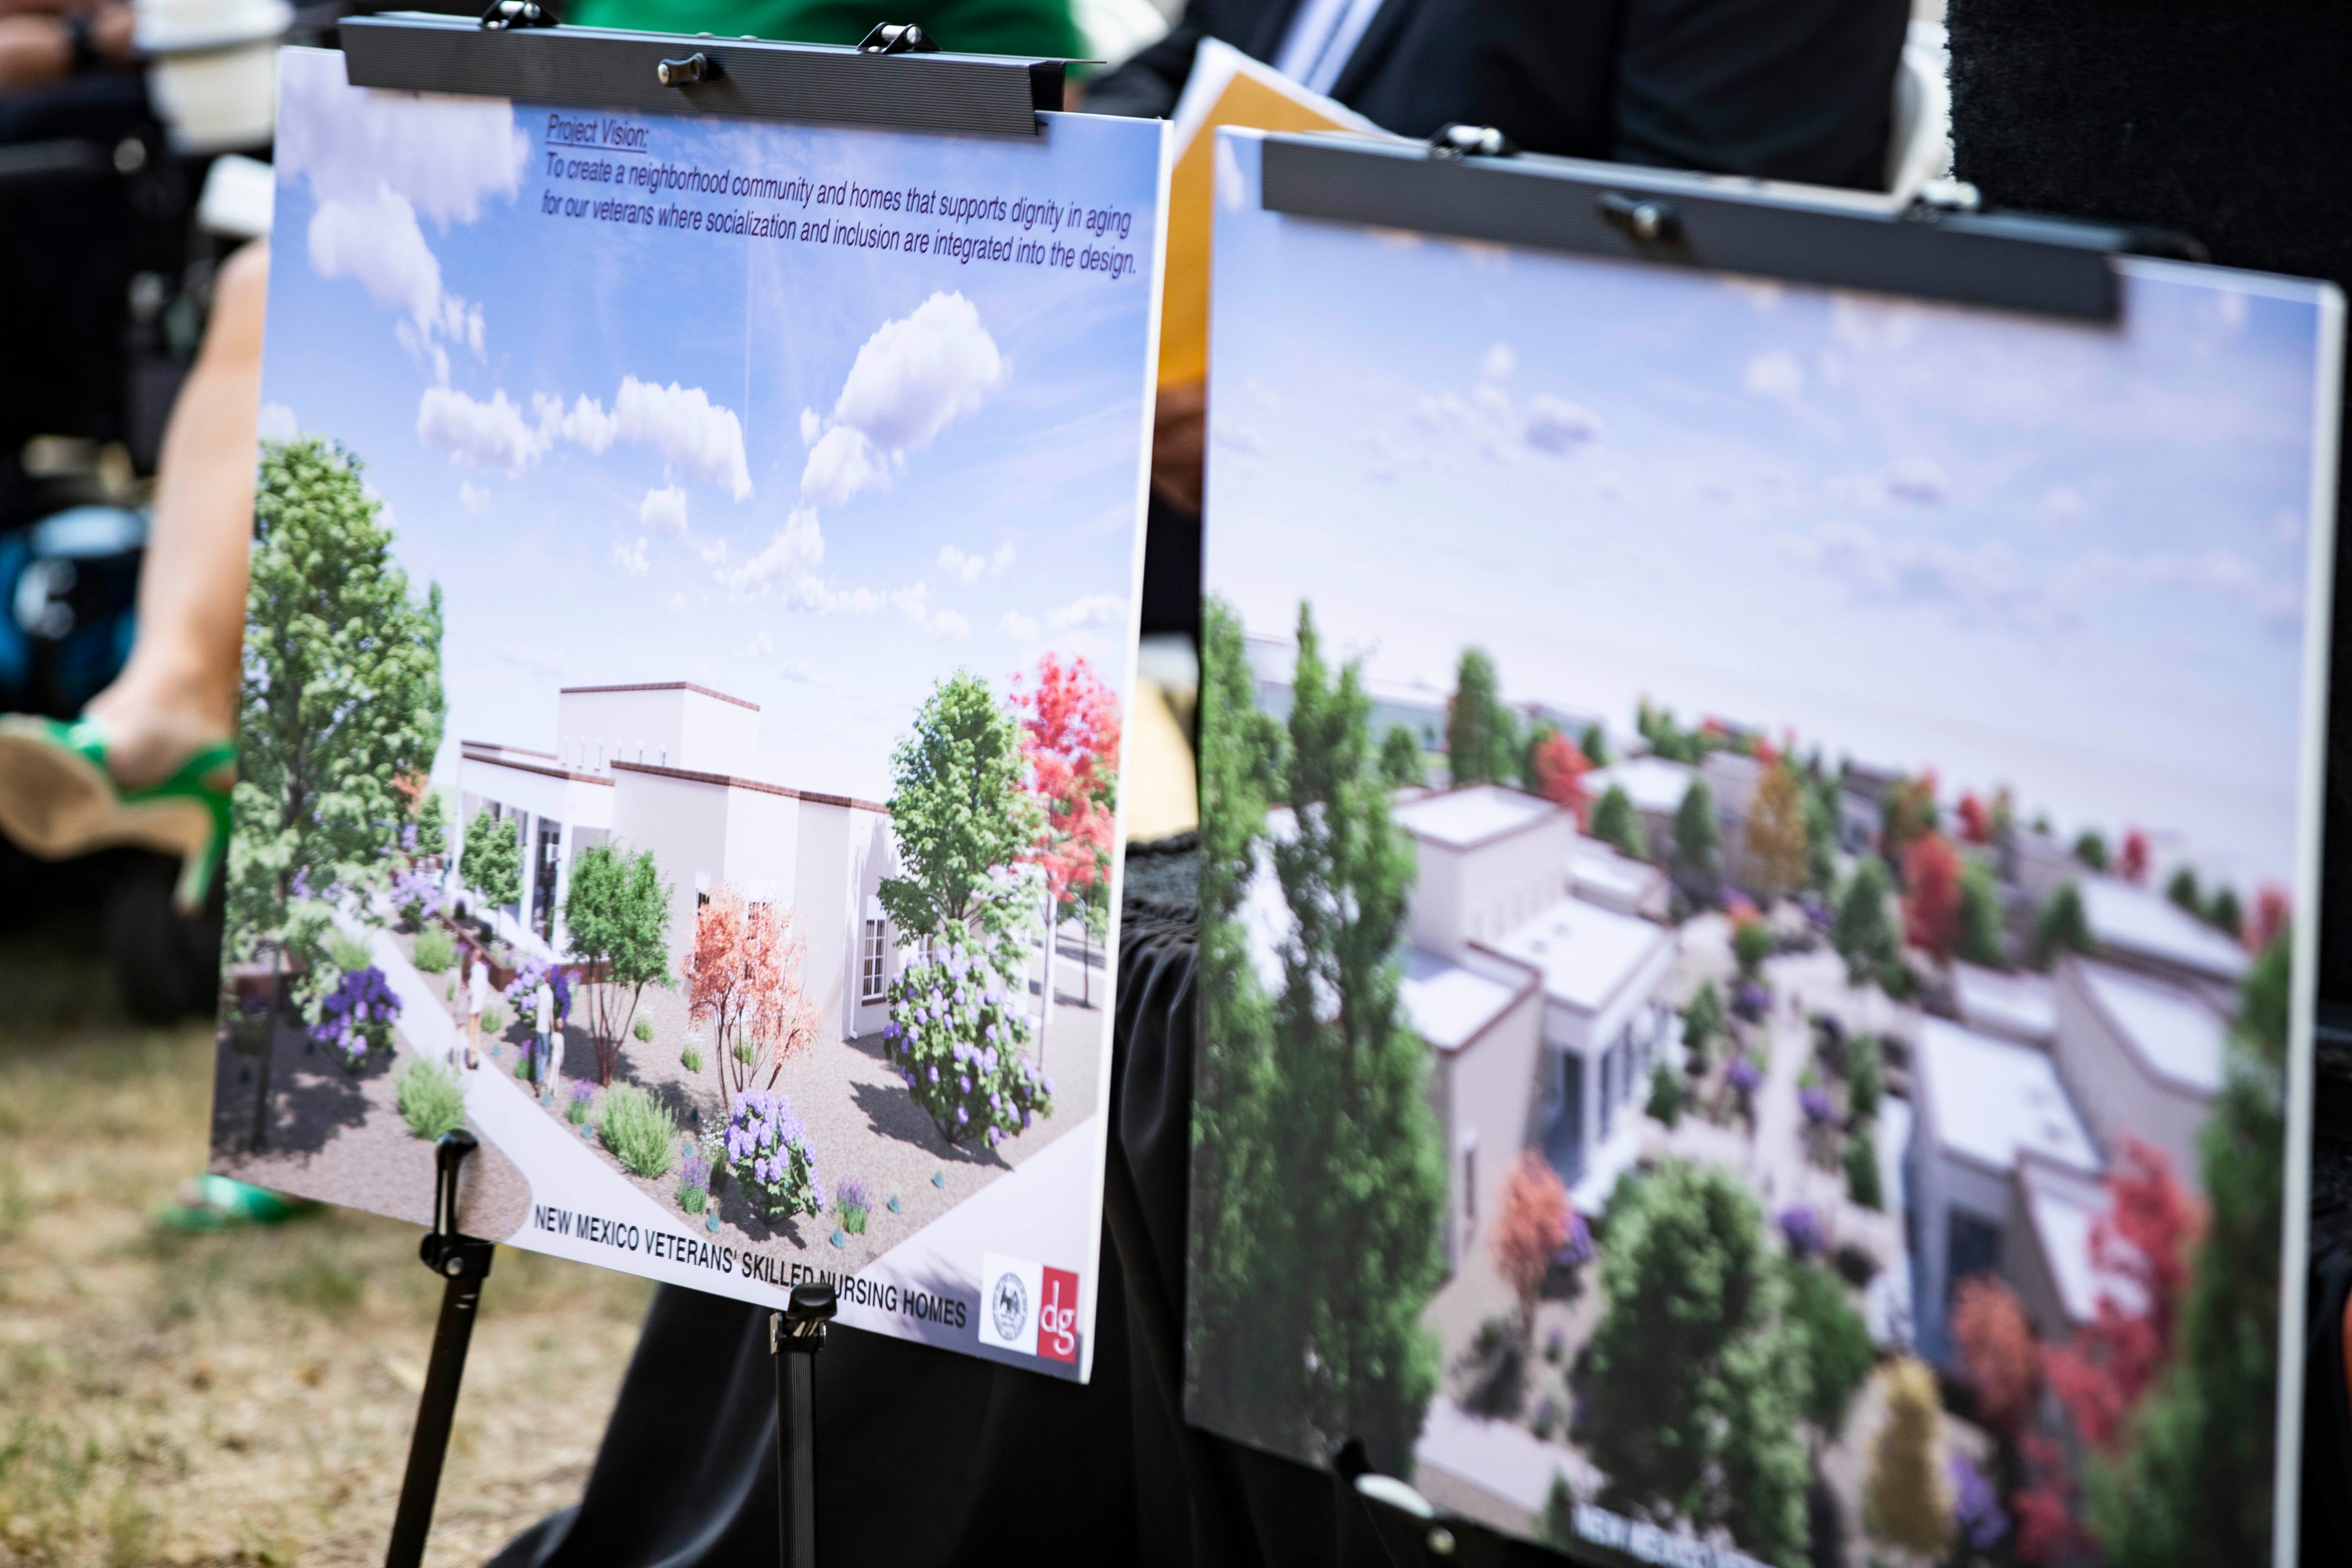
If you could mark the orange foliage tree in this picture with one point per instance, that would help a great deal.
(2271, 910)
(2142, 1243)
(1997, 1347)
(2133, 863)
(743, 975)
(1532, 1229)
(1931, 894)
(1976, 821)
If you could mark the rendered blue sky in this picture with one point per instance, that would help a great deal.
(420, 304)
(2070, 559)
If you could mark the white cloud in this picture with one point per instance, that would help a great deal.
(664, 511)
(2064, 504)
(444, 155)
(474, 498)
(1775, 374)
(762, 645)
(909, 380)
(1557, 426)
(1984, 584)
(787, 567)
(949, 623)
(968, 568)
(812, 425)
(1019, 628)
(1917, 479)
(1499, 363)
(492, 435)
(277, 423)
(2222, 572)
(375, 238)
(1092, 610)
(630, 557)
(702, 438)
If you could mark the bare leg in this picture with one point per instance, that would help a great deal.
(179, 688)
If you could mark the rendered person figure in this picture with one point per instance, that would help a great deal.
(549, 1041)
(478, 1001)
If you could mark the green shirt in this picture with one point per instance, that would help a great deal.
(966, 27)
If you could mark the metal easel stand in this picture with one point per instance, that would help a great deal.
(463, 1262)
(794, 1336)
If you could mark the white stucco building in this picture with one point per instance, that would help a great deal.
(664, 767)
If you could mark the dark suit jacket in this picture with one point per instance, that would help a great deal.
(1787, 89)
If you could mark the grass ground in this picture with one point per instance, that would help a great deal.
(242, 1397)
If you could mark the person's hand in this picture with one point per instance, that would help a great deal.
(1180, 429)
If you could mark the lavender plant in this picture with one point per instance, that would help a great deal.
(417, 895)
(853, 1200)
(693, 1181)
(959, 1046)
(767, 1151)
(355, 1017)
(1801, 1228)
(584, 1098)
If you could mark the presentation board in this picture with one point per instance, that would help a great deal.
(692, 613)
(1758, 853)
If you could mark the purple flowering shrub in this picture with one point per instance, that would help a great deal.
(1976, 1506)
(583, 1099)
(526, 981)
(1801, 1228)
(1750, 1000)
(356, 1016)
(1816, 1105)
(768, 1150)
(1744, 1074)
(1575, 1247)
(417, 895)
(958, 1044)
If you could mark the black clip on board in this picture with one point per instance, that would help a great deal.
(898, 79)
(1467, 182)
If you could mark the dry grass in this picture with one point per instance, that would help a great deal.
(244, 1397)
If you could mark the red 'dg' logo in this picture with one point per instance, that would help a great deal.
(1057, 1315)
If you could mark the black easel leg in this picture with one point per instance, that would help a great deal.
(794, 1336)
(436, 1410)
(463, 1262)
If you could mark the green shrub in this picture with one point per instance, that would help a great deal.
(690, 1059)
(1862, 1170)
(346, 952)
(436, 950)
(644, 1031)
(639, 1131)
(493, 1020)
(431, 1099)
(583, 1097)
(744, 1052)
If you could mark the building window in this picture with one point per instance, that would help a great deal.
(873, 967)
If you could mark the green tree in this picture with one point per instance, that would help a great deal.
(432, 824)
(1695, 834)
(1702, 1021)
(1865, 936)
(2223, 913)
(1832, 1339)
(963, 821)
(1616, 823)
(490, 860)
(2183, 892)
(1698, 1382)
(2091, 849)
(342, 698)
(2190, 1482)
(1865, 1079)
(1401, 762)
(2063, 928)
(1530, 777)
(1821, 838)
(617, 913)
(1323, 1181)
(1862, 1183)
(1665, 1096)
(1594, 745)
(1481, 739)
(1980, 938)
(1906, 1500)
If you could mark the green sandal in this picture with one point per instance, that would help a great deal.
(57, 800)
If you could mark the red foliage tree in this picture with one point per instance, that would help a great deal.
(1561, 767)
(1931, 894)
(2046, 1531)
(2133, 862)
(2271, 912)
(2142, 1243)
(1529, 1231)
(1069, 737)
(1998, 1348)
(1976, 820)
(743, 975)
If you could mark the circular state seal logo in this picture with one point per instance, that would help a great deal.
(1009, 1304)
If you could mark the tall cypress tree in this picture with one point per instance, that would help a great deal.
(1480, 737)
(1323, 1185)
